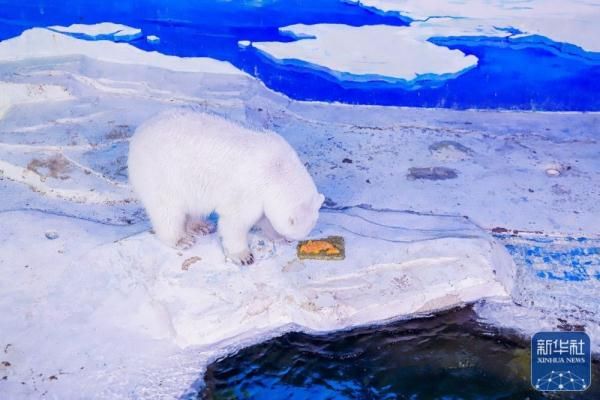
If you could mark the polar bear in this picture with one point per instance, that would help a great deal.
(186, 164)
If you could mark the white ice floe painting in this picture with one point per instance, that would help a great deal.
(574, 22)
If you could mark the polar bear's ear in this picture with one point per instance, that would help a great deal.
(321, 198)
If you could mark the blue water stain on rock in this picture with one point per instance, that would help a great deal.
(557, 259)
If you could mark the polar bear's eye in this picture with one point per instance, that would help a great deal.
(291, 221)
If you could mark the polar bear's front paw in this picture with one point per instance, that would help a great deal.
(201, 227)
(186, 242)
(242, 258)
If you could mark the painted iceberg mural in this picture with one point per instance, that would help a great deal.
(532, 55)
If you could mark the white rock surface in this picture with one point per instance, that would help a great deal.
(15, 93)
(112, 303)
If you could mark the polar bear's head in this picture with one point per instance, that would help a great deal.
(294, 219)
(291, 201)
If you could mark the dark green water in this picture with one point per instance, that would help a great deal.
(449, 356)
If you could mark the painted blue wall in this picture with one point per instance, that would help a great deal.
(526, 73)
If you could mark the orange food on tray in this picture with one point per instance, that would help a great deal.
(330, 248)
(317, 246)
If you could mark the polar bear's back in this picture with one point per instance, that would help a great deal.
(200, 132)
(183, 155)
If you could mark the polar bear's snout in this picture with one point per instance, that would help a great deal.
(301, 219)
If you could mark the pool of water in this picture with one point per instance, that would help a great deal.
(449, 356)
(525, 73)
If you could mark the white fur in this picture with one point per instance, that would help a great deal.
(184, 165)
